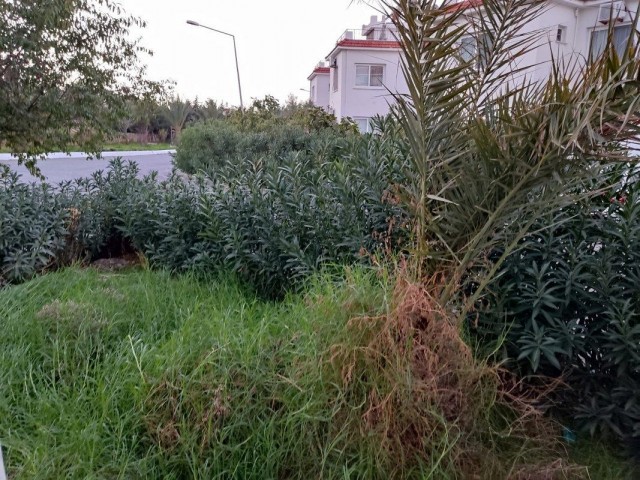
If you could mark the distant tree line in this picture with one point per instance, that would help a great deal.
(151, 120)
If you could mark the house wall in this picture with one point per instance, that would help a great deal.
(579, 17)
(587, 21)
(336, 85)
(319, 90)
(365, 102)
(548, 47)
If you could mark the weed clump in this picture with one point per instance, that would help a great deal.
(412, 389)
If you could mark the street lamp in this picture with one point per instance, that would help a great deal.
(196, 24)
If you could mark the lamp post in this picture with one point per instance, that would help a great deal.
(235, 52)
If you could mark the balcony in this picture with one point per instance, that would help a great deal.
(382, 32)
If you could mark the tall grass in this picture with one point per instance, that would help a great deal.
(144, 375)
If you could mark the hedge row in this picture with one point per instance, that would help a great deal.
(271, 220)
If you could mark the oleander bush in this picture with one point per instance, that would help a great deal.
(272, 220)
(33, 228)
(46, 226)
(208, 146)
(276, 219)
(567, 302)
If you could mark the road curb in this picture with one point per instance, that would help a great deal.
(54, 155)
(3, 473)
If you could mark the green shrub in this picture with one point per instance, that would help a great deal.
(33, 228)
(208, 146)
(567, 303)
(273, 220)
(44, 227)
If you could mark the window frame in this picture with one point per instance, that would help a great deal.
(369, 128)
(561, 31)
(479, 59)
(369, 84)
(464, 44)
(591, 57)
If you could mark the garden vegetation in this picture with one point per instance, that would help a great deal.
(494, 308)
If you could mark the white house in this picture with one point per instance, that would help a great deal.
(319, 87)
(363, 68)
(365, 65)
(571, 31)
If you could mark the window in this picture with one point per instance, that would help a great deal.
(313, 93)
(620, 37)
(469, 49)
(364, 125)
(335, 78)
(369, 75)
(561, 34)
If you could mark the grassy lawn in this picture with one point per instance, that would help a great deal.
(144, 375)
(135, 147)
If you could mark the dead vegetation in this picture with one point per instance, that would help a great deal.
(428, 401)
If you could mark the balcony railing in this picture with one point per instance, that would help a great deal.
(380, 32)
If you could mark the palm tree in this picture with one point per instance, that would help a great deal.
(489, 156)
(176, 112)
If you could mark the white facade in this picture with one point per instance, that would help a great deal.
(362, 80)
(364, 68)
(319, 86)
(365, 65)
(572, 31)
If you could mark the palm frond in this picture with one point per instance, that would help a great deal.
(491, 147)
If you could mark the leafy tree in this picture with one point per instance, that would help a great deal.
(67, 69)
(137, 116)
(210, 110)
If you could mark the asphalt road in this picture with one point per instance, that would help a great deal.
(60, 167)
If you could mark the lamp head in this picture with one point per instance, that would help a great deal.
(191, 22)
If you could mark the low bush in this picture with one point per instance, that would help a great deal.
(254, 135)
(273, 220)
(44, 227)
(205, 145)
(33, 228)
(566, 304)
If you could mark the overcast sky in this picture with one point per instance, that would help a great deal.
(278, 41)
